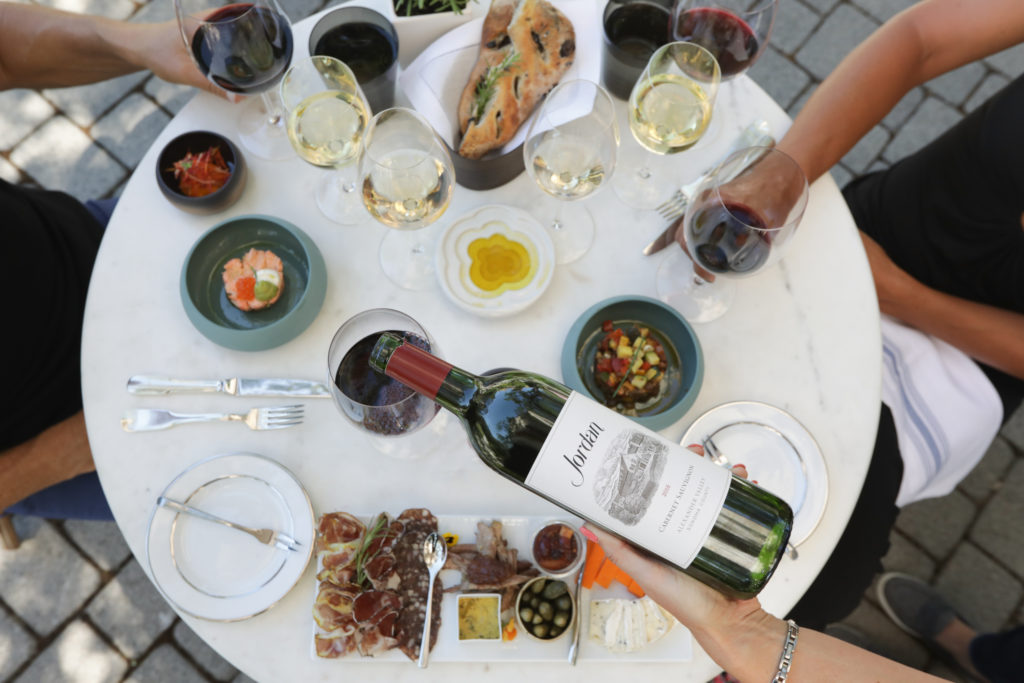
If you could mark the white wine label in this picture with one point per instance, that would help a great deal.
(629, 479)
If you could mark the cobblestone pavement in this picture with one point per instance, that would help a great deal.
(76, 606)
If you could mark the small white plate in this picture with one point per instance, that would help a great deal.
(779, 453)
(454, 260)
(213, 572)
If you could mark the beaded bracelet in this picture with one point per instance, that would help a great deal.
(786, 659)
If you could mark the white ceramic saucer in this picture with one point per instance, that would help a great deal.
(779, 453)
(214, 572)
(454, 260)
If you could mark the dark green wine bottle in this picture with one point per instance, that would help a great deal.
(603, 467)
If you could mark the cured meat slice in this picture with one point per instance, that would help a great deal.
(333, 609)
(381, 572)
(334, 645)
(339, 528)
(370, 607)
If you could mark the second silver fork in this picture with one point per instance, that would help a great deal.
(269, 417)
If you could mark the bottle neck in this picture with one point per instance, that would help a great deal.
(424, 372)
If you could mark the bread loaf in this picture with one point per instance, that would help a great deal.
(526, 46)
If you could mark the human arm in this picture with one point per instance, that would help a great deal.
(58, 453)
(922, 42)
(744, 639)
(42, 47)
(986, 333)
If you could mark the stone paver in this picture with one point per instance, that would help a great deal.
(23, 111)
(906, 557)
(842, 31)
(1013, 430)
(883, 9)
(987, 476)
(78, 655)
(931, 119)
(903, 110)
(84, 104)
(16, 645)
(793, 23)
(102, 542)
(1010, 61)
(45, 581)
(130, 611)
(992, 84)
(60, 155)
(165, 664)
(998, 530)
(937, 524)
(867, 149)
(128, 130)
(955, 86)
(779, 77)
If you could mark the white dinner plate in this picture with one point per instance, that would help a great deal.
(779, 453)
(458, 252)
(674, 646)
(214, 572)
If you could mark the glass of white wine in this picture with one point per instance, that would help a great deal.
(407, 184)
(570, 151)
(669, 111)
(326, 117)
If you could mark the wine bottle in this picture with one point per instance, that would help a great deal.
(605, 468)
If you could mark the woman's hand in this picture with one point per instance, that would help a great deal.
(892, 284)
(161, 49)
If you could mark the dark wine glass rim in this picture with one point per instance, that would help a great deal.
(331, 371)
(759, 8)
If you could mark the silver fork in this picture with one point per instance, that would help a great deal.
(269, 417)
(265, 536)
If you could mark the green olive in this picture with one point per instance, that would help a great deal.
(537, 619)
(546, 610)
(526, 614)
(564, 603)
(554, 589)
(561, 620)
(538, 586)
(540, 630)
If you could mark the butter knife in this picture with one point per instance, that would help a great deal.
(754, 135)
(574, 648)
(145, 385)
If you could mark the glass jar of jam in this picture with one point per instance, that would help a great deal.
(557, 549)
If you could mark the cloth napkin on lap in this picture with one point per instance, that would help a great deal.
(946, 410)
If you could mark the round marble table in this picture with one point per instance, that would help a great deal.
(803, 336)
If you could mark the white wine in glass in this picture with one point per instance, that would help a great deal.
(327, 116)
(407, 183)
(669, 111)
(570, 152)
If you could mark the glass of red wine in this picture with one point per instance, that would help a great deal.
(739, 222)
(396, 420)
(244, 48)
(734, 31)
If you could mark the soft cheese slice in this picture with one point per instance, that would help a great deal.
(628, 625)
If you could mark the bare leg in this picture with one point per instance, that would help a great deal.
(956, 639)
(59, 453)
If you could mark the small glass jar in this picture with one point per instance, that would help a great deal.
(545, 608)
(557, 549)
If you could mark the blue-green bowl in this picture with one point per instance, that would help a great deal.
(685, 370)
(207, 305)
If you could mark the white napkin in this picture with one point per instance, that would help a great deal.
(434, 81)
(946, 410)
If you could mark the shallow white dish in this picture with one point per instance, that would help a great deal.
(779, 453)
(453, 260)
(213, 572)
(675, 646)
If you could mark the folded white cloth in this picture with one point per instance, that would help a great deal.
(946, 410)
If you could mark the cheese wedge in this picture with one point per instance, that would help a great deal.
(628, 625)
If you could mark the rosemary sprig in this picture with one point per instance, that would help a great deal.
(485, 88)
(360, 558)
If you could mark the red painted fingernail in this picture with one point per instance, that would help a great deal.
(588, 534)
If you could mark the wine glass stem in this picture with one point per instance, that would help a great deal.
(273, 107)
(644, 172)
(556, 223)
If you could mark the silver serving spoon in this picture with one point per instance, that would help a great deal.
(435, 552)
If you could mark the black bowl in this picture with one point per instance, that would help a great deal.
(199, 141)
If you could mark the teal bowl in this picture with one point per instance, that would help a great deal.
(685, 371)
(207, 305)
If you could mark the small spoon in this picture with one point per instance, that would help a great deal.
(435, 552)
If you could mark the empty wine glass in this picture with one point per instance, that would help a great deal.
(244, 48)
(326, 117)
(392, 416)
(734, 31)
(669, 110)
(407, 183)
(570, 151)
(738, 223)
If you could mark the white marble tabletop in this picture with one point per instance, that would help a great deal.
(803, 336)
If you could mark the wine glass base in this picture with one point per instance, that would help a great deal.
(642, 179)
(696, 299)
(337, 204)
(259, 136)
(407, 259)
(429, 439)
(572, 231)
